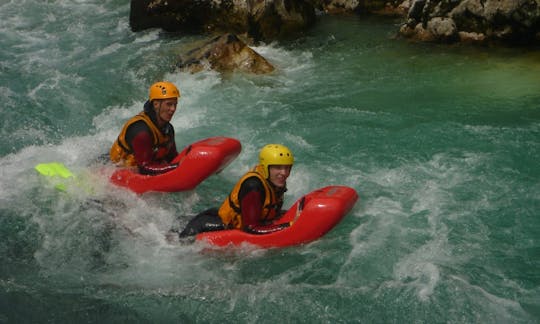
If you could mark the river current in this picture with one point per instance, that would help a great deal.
(441, 142)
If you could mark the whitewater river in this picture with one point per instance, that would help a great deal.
(441, 142)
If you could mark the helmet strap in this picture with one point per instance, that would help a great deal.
(157, 110)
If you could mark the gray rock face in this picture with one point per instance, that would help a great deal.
(476, 21)
(509, 21)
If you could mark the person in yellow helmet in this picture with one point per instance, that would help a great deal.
(256, 199)
(147, 139)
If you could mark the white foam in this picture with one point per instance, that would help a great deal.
(500, 308)
(147, 36)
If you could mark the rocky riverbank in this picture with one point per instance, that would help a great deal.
(515, 22)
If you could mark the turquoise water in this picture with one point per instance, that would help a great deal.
(442, 144)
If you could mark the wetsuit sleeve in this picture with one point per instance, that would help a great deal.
(251, 207)
(251, 198)
(173, 152)
(141, 143)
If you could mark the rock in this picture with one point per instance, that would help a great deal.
(415, 9)
(225, 53)
(339, 6)
(406, 31)
(466, 37)
(513, 21)
(442, 29)
(422, 34)
(509, 21)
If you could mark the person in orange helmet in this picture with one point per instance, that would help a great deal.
(147, 139)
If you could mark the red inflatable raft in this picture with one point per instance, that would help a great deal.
(310, 217)
(197, 162)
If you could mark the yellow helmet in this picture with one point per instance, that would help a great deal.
(163, 90)
(275, 154)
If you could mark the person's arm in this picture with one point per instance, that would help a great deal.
(173, 152)
(251, 206)
(141, 144)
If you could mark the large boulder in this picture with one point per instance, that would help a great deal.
(225, 53)
(259, 19)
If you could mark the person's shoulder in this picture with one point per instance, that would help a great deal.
(139, 126)
(252, 183)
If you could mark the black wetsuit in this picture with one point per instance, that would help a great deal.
(206, 221)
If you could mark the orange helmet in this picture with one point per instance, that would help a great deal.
(163, 90)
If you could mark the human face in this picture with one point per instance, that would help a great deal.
(165, 110)
(278, 174)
